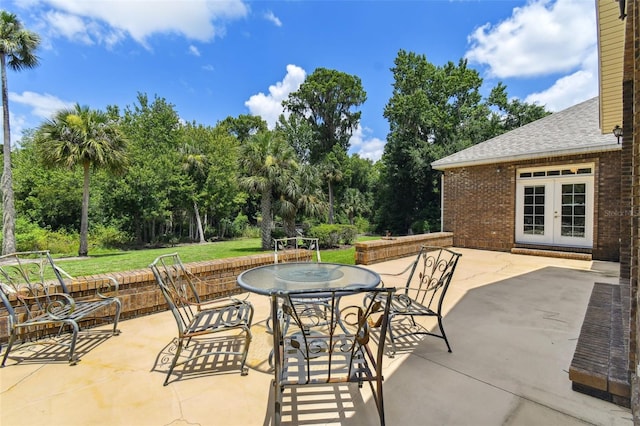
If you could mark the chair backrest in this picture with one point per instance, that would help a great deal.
(321, 352)
(431, 275)
(306, 249)
(177, 286)
(31, 274)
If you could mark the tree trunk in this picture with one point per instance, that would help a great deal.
(84, 218)
(289, 225)
(198, 222)
(8, 206)
(330, 202)
(265, 228)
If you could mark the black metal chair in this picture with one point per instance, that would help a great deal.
(424, 292)
(39, 304)
(197, 319)
(339, 351)
(306, 249)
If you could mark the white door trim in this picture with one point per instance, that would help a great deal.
(544, 216)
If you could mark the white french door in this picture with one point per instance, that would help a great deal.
(554, 206)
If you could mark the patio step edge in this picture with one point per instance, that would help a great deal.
(552, 253)
(599, 364)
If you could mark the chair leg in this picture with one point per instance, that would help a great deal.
(277, 408)
(73, 360)
(12, 339)
(247, 341)
(116, 317)
(174, 362)
(391, 338)
(444, 336)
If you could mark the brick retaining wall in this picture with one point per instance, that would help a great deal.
(374, 251)
(140, 294)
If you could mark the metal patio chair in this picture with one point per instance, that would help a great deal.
(197, 319)
(340, 351)
(303, 246)
(306, 249)
(423, 294)
(40, 308)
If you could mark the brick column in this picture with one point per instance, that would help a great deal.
(630, 241)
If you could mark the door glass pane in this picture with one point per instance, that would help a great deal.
(534, 210)
(573, 217)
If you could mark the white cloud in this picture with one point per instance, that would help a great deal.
(42, 105)
(208, 67)
(269, 16)
(194, 50)
(541, 38)
(107, 21)
(366, 148)
(68, 26)
(17, 124)
(571, 89)
(269, 107)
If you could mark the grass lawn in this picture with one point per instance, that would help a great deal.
(102, 262)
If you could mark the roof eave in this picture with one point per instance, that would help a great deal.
(527, 156)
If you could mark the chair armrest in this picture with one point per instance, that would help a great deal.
(58, 305)
(219, 303)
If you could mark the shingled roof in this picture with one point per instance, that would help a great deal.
(575, 130)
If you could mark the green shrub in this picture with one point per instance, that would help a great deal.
(332, 235)
(328, 235)
(420, 227)
(362, 224)
(252, 232)
(108, 237)
(348, 234)
(240, 223)
(29, 236)
(278, 232)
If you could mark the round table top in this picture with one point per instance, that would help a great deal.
(306, 277)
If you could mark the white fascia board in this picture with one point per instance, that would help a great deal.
(528, 156)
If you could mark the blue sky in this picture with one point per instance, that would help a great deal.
(212, 59)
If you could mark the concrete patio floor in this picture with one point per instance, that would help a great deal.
(512, 321)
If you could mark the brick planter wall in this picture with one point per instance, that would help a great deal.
(140, 294)
(368, 252)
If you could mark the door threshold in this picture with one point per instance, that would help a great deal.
(550, 252)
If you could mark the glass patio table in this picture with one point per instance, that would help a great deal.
(306, 277)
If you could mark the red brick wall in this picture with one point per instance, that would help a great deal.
(140, 294)
(374, 251)
(479, 203)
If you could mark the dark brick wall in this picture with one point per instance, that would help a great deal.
(630, 165)
(479, 203)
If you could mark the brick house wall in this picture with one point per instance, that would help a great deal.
(630, 166)
(479, 203)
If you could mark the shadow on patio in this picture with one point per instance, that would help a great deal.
(512, 322)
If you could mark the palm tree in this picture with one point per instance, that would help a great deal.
(17, 47)
(269, 162)
(304, 194)
(195, 163)
(353, 203)
(81, 136)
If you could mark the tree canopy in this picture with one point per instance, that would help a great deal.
(433, 112)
